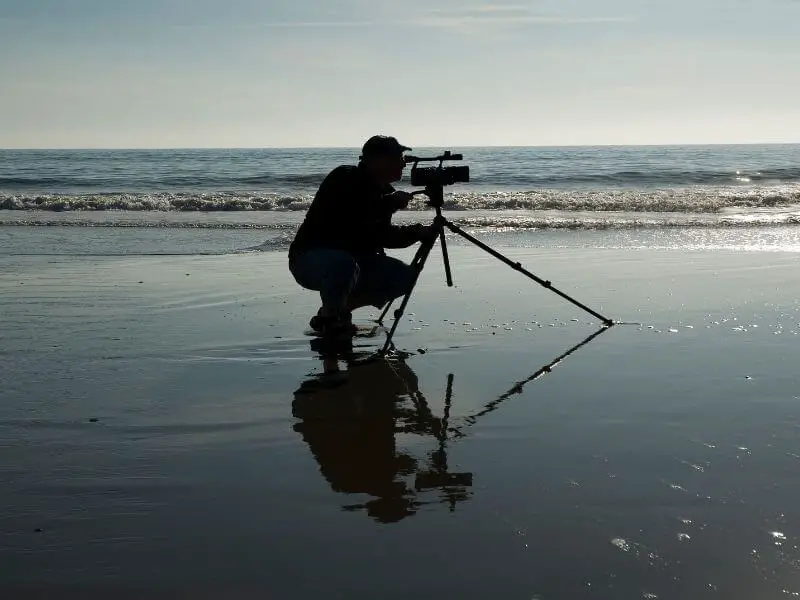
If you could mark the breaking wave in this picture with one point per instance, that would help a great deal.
(156, 176)
(684, 200)
(188, 202)
(503, 222)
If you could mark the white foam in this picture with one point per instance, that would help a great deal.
(689, 200)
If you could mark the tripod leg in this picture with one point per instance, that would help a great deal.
(422, 254)
(518, 267)
(385, 311)
(439, 222)
(447, 273)
(414, 263)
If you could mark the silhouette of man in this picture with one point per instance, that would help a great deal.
(339, 249)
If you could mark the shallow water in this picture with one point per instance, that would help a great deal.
(100, 240)
(167, 427)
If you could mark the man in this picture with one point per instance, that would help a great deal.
(339, 248)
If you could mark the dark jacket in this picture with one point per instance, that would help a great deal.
(349, 212)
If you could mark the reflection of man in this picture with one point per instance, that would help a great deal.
(349, 424)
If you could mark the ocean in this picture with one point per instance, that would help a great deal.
(510, 188)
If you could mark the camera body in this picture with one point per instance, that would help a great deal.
(438, 176)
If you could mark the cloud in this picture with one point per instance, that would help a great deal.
(502, 14)
(486, 10)
(463, 18)
(517, 20)
(302, 24)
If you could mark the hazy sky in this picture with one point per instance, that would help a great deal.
(242, 73)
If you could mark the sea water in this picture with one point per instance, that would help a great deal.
(653, 196)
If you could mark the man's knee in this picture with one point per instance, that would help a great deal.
(317, 269)
(398, 277)
(341, 270)
(406, 278)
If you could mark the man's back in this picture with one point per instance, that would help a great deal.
(346, 214)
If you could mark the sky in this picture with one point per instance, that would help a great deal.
(443, 73)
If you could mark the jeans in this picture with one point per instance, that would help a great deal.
(339, 276)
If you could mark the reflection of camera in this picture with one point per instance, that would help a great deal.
(437, 176)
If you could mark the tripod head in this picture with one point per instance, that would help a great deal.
(435, 178)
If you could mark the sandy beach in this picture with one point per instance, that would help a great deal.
(168, 431)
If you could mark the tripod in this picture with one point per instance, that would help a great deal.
(435, 193)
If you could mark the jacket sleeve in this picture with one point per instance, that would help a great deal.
(385, 207)
(400, 236)
(395, 236)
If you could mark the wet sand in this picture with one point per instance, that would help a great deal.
(169, 431)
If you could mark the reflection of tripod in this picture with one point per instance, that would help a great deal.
(435, 193)
(517, 388)
(350, 424)
(453, 486)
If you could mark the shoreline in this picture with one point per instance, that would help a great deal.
(224, 234)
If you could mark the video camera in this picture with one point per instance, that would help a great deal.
(437, 176)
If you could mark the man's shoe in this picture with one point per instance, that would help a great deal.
(316, 323)
(333, 326)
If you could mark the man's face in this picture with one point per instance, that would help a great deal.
(389, 168)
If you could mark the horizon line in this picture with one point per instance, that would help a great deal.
(336, 147)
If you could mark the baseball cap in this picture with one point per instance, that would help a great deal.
(382, 145)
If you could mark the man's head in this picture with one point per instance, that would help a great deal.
(383, 157)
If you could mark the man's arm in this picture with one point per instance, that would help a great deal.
(403, 236)
(395, 200)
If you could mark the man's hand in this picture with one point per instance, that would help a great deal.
(426, 233)
(398, 200)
